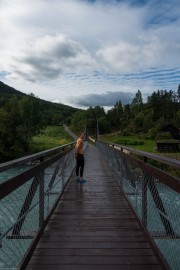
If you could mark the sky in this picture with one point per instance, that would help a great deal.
(90, 52)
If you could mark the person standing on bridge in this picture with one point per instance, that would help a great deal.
(79, 155)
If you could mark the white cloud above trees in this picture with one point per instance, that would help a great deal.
(64, 49)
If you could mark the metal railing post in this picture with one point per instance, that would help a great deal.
(0, 239)
(144, 200)
(144, 197)
(41, 198)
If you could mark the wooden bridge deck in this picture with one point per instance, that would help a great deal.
(94, 228)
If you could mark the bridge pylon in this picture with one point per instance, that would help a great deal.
(92, 128)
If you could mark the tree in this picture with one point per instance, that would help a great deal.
(21, 119)
(116, 115)
(12, 139)
(99, 111)
(178, 119)
(78, 121)
(31, 116)
(127, 112)
(139, 120)
(178, 94)
(104, 125)
(137, 102)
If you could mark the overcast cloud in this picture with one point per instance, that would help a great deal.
(87, 53)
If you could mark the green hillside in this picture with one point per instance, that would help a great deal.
(51, 110)
(8, 91)
(25, 116)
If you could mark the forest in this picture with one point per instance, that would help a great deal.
(25, 116)
(160, 109)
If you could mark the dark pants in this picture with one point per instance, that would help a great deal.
(79, 165)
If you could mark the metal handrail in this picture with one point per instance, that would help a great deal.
(168, 161)
(38, 183)
(152, 193)
(23, 160)
(20, 179)
(171, 181)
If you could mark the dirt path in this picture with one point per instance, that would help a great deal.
(70, 132)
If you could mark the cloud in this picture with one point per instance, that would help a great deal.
(106, 99)
(80, 47)
(49, 56)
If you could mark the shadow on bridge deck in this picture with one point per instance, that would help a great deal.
(93, 227)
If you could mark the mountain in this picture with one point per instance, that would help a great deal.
(7, 91)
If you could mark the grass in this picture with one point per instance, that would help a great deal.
(54, 136)
(134, 142)
(139, 143)
(51, 137)
(145, 145)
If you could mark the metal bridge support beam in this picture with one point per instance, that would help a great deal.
(26, 205)
(161, 210)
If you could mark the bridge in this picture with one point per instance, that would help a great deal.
(126, 216)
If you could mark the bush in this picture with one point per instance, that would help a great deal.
(121, 141)
(141, 143)
(135, 142)
(152, 133)
(126, 132)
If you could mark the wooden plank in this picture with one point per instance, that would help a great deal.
(92, 233)
(93, 227)
(94, 267)
(56, 238)
(91, 260)
(89, 244)
(92, 252)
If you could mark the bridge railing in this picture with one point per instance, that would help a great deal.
(153, 194)
(28, 199)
